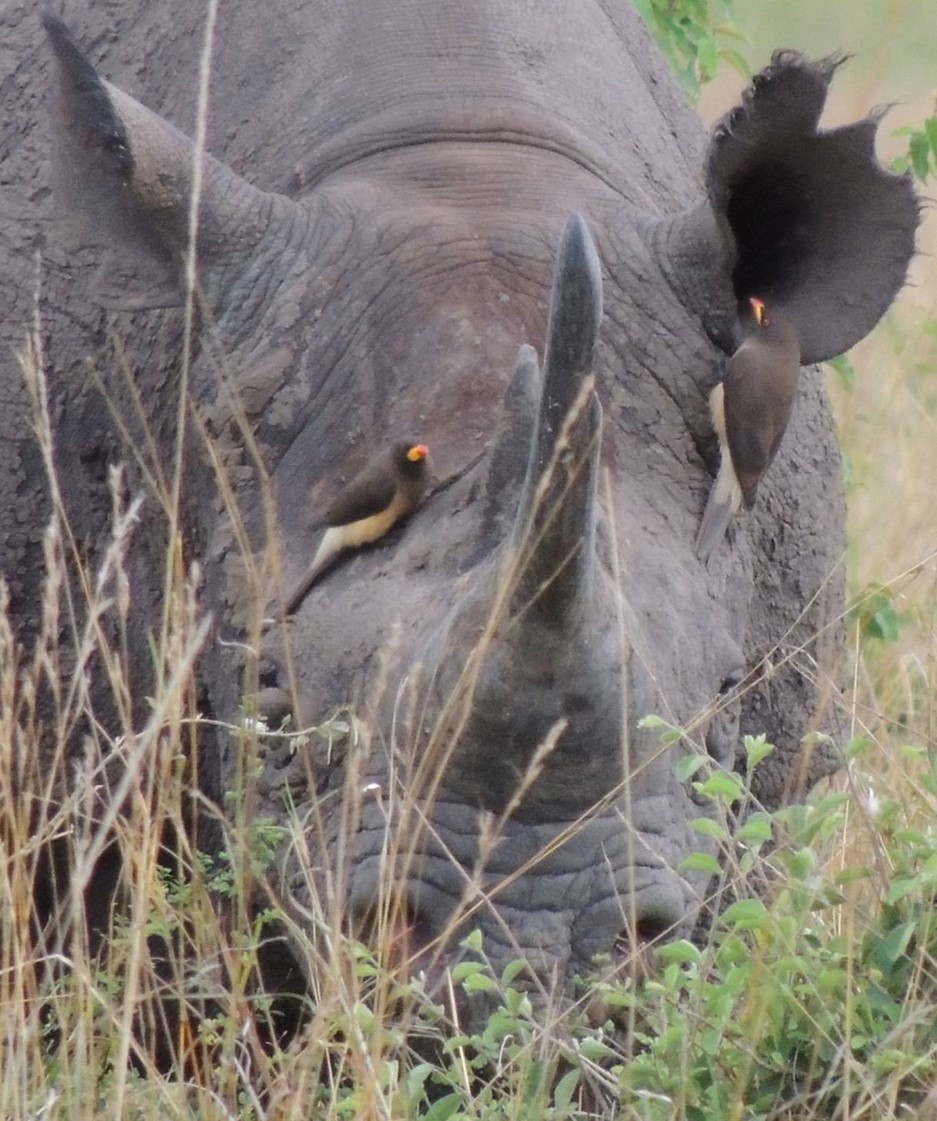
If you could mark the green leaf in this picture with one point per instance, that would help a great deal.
(701, 862)
(565, 1088)
(594, 1049)
(480, 983)
(745, 914)
(875, 615)
(902, 887)
(707, 57)
(853, 875)
(720, 785)
(735, 58)
(756, 749)
(884, 624)
(652, 721)
(711, 1041)
(462, 970)
(894, 945)
(691, 39)
(756, 829)
(930, 130)
(832, 981)
(798, 863)
(443, 1109)
(858, 747)
(517, 1002)
(685, 768)
(473, 942)
(679, 951)
(919, 151)
(844, 370)
(416, 1079)
(511, 970)
(706, 827)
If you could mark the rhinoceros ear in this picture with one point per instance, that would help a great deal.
(821, 228)
(803, 217)
(123, 178)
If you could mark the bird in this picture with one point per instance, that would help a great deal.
(750, 409)
(387, 489)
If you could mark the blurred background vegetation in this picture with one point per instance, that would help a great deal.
(885, 391)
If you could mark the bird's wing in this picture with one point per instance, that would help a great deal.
(753, 423)
(368, 493)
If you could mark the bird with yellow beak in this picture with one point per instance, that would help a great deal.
(750, 409)
(387, 489)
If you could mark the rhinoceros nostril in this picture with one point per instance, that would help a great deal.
(658, 913)
(654, 928)
(646, 932)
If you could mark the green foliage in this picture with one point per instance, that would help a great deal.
(692, 40)
(844, 370)
(874, 613)
(790, 1012)
(509, 1068)
(921, 158)
(813, 999)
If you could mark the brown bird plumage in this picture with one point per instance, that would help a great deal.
(750, 409)
(389, 488)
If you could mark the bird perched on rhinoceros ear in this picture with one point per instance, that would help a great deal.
(389, 488)
(750, 409)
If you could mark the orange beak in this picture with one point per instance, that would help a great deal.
(758, 307)
(417, 452)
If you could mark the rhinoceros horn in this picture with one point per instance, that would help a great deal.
(545, 663)
(554, 532)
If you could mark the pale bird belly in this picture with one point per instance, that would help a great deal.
(373, 528)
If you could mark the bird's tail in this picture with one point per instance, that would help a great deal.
(329, 547)
(724, 500)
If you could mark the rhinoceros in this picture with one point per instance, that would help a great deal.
(498, 229)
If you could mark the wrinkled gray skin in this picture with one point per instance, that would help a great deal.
(408, 171)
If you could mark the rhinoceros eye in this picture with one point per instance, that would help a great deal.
(722, 732)
(731, 681)
(273, 705)
(269, 673)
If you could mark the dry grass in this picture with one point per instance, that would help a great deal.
(163, 1014)
(170, 1022)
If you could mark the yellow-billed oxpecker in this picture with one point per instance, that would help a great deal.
(387, 489)
(750, 409)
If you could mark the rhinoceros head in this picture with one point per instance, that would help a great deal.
(500, 648)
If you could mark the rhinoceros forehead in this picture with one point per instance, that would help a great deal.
(535, 76)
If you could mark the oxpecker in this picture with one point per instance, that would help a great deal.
(750, 409)
(388, 488)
